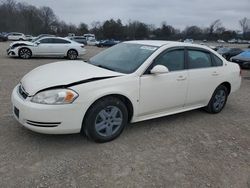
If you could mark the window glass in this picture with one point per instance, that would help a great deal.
(45, 41)
(60, 41)
(123, 57)
(173, 60)
(217, 61)
(198, 59)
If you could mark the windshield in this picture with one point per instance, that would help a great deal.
(35, 39)
(223, 50)
(123, 57)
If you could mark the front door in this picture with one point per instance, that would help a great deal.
(165, 92)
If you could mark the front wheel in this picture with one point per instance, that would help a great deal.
(25, 53)
(106, 119)
(218, 100)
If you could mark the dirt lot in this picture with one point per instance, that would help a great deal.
(192, 149)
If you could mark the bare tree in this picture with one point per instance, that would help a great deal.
(214, 26)
(245, 25)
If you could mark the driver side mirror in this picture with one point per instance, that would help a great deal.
(159, 69)
(37, 43)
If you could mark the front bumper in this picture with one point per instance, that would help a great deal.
(48, 119)
(12, 52)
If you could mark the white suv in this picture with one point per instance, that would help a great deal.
(16, 36)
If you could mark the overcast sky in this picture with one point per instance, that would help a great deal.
(179, 13)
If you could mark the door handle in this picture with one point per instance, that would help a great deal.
(181, 78)
(215, 73)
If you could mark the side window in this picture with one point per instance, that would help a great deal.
(198, 59)
(45, 41)
(173, 60)
(217, 61)
(60, 41)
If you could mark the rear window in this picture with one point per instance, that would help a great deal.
(198, 59)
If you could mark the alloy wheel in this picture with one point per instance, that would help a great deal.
(108, 121)
(25, 53)
(219, 100)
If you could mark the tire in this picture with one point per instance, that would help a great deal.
(218, 100)
(105, 120)
(25, 53)
(72, 54)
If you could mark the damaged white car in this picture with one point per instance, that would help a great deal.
(46, 47)
(130, 82)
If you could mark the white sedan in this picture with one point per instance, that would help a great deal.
(47, 47)
(130, 82)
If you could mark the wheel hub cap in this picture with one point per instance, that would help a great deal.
(108, 121)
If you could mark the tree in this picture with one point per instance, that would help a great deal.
(214, 25)
(48, 19)
(83, 28)
(245, 25)
(193, 32)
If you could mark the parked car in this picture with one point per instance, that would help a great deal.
(107, 43)
(191, 41)
(46, 46)
(3, 38)
(227, 53)
(92, 42)
(29, 37)
(232, 41)
(243, 59)
(79, 39)
(130, 82)
(89, 36)
(220, 41)
(16, 36)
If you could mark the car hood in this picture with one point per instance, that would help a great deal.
(18, 43)
(66, 73)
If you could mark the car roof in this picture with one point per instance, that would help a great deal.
(160, 43)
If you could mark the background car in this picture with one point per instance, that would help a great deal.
(220, 41)
(29, 37)
(243, 59)
(79, 39)
(16, 36)
(92, 42)
(191, 41)
(227, 53)
(107, 43)
(3, 37)
(46, 46)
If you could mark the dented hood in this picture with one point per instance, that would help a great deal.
(63, 74)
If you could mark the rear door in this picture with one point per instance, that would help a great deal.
(60, 46)
(205, 72)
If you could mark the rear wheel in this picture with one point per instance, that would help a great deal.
(25, 53)
(72, 54)
(105, 119)
(218, 100)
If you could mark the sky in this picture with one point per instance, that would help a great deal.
(178, 13)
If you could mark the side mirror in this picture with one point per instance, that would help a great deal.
(159, 69)
(37, 43)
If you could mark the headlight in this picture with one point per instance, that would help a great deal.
(56, 96)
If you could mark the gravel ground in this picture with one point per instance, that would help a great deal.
(192, 149)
